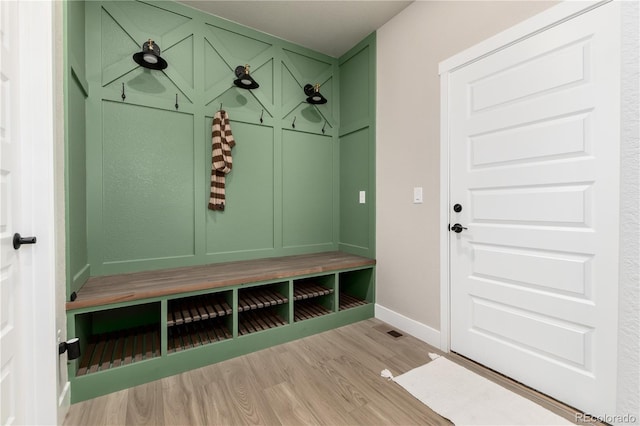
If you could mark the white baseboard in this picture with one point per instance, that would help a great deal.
(64, 401)
(416, 329)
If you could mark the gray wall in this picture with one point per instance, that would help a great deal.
(408, 141)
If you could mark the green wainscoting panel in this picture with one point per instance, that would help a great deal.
(354, 177)
(180, 55)
(357, 148)
(77, 186)
(148, 180)
(74, 38)
(78, 269)
(115, 42)
(246, 224)
(355, 87)
(216, 70)
(308, 198)
(308, 67)
(245, 47)
(154, 17)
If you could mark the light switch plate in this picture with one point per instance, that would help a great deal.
(362, 197)
(417, 195)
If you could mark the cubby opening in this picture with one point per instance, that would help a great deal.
(199, 320)
(313, 297)
(198, 308)
(262, 307)
(115, 337)
(199, 333)
(356, 288)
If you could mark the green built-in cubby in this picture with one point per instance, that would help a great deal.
(199, 320)
(145, 255)
(142, 326)
(314, 297)
(262, 307)
(110, 338)
(356, 288)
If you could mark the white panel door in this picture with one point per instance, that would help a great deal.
(534, 148)
(11, 373)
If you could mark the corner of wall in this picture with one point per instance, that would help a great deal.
(357, 148)
(629, 296)
(416, 329)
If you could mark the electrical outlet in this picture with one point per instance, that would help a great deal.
(362, 197)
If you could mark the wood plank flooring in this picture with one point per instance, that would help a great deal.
(332, 378)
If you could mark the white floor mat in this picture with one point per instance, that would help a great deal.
(465, 398)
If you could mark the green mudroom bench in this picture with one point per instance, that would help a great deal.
(139, 327)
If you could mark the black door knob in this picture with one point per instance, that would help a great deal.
(457, 228)
(18, 240)
(457, 208)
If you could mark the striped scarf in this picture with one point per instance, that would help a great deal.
(221, 160)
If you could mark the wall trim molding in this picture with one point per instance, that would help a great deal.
(556, 15)
(416, 329)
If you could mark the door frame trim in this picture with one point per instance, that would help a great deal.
(552, 17)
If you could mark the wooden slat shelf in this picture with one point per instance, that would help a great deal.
(306, 290)
(251, 321)
(196, 334)
(347, 301)
(308, 309)
(111, 350)
(197, 308)
(259, 297)
(99, 291)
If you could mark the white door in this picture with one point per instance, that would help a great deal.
(11, 366)
(28, 352)
(534, 164)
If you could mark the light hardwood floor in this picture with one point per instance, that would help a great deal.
(332, 378)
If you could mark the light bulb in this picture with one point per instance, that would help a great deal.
(150, 59)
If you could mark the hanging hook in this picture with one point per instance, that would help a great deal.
(294, 122)
(323, 126)
(220, 106)
(123, 95)
(176, 101)
(261, 114)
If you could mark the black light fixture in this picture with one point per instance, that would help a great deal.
(245, 80)
(72, 347)
(150, 56)
(314, 95)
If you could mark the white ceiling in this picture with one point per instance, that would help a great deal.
(329, 27)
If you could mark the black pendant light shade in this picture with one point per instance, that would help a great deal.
(314, 95)
(245, 80)
(150, 56)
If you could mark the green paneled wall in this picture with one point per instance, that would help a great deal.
(148, 162)
(147, 183)
(75, 146)
(248, 220)
(357, 148)
(308, 193)
(354, 221)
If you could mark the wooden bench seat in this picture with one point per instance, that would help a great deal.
(98, 291)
